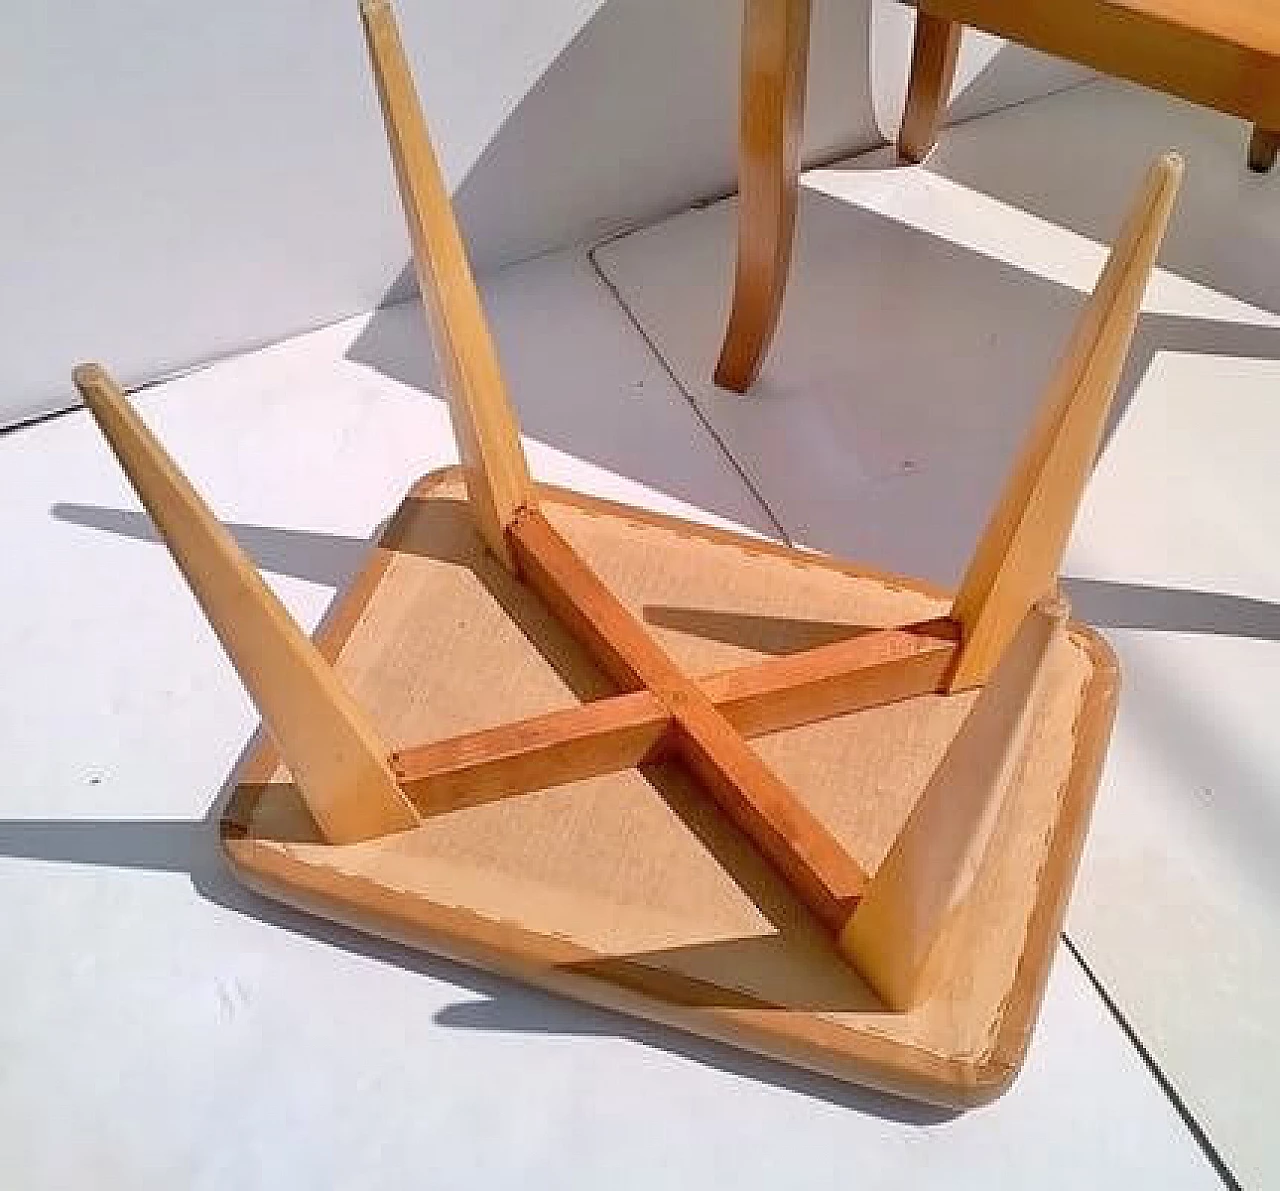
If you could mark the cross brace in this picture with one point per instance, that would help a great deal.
(622, 731)
(667, 714)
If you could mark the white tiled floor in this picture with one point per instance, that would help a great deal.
(924, 314)
(161, 1027)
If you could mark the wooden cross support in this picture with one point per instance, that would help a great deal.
(611, 734)
(997, 638)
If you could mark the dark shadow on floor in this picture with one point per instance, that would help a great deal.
(332, 560)
(1109, 604)
(329, 559)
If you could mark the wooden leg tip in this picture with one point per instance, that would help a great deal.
(734, 380)
(912, 154)
(1263, 149)
(90, 379)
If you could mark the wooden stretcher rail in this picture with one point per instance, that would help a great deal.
(533, 754)
(817, 866)
(608, 735)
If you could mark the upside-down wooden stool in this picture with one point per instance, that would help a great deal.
(748, 791)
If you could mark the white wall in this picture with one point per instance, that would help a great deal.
(185, 180)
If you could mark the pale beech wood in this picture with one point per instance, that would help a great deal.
(794, 840)
(1263, 149)
(1220, 53)
(870, 670)
(775, 54)
(1020, 551)
(488, 436)
(335, 757)
(912, 900)
(933, 70)
(630, 890)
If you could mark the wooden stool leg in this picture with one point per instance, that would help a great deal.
(498, 483)
(1264, 145)
(933, 70)
(338, 764)
(1019, 554)
(775, 54)
(914, 895)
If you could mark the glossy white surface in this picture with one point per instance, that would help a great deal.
(161, 1027)
(925, 312)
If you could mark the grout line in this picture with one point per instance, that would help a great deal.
(742, 474)
(1194, 1127)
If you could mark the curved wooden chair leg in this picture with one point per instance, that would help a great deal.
(933, 70)
(775, 54)
(1264, 145)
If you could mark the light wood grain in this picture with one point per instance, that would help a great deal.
(935, 47)
(1019, 553)
(483, 422)
(334, 754)
(632, 890)
(911, 901)
(775, 55)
